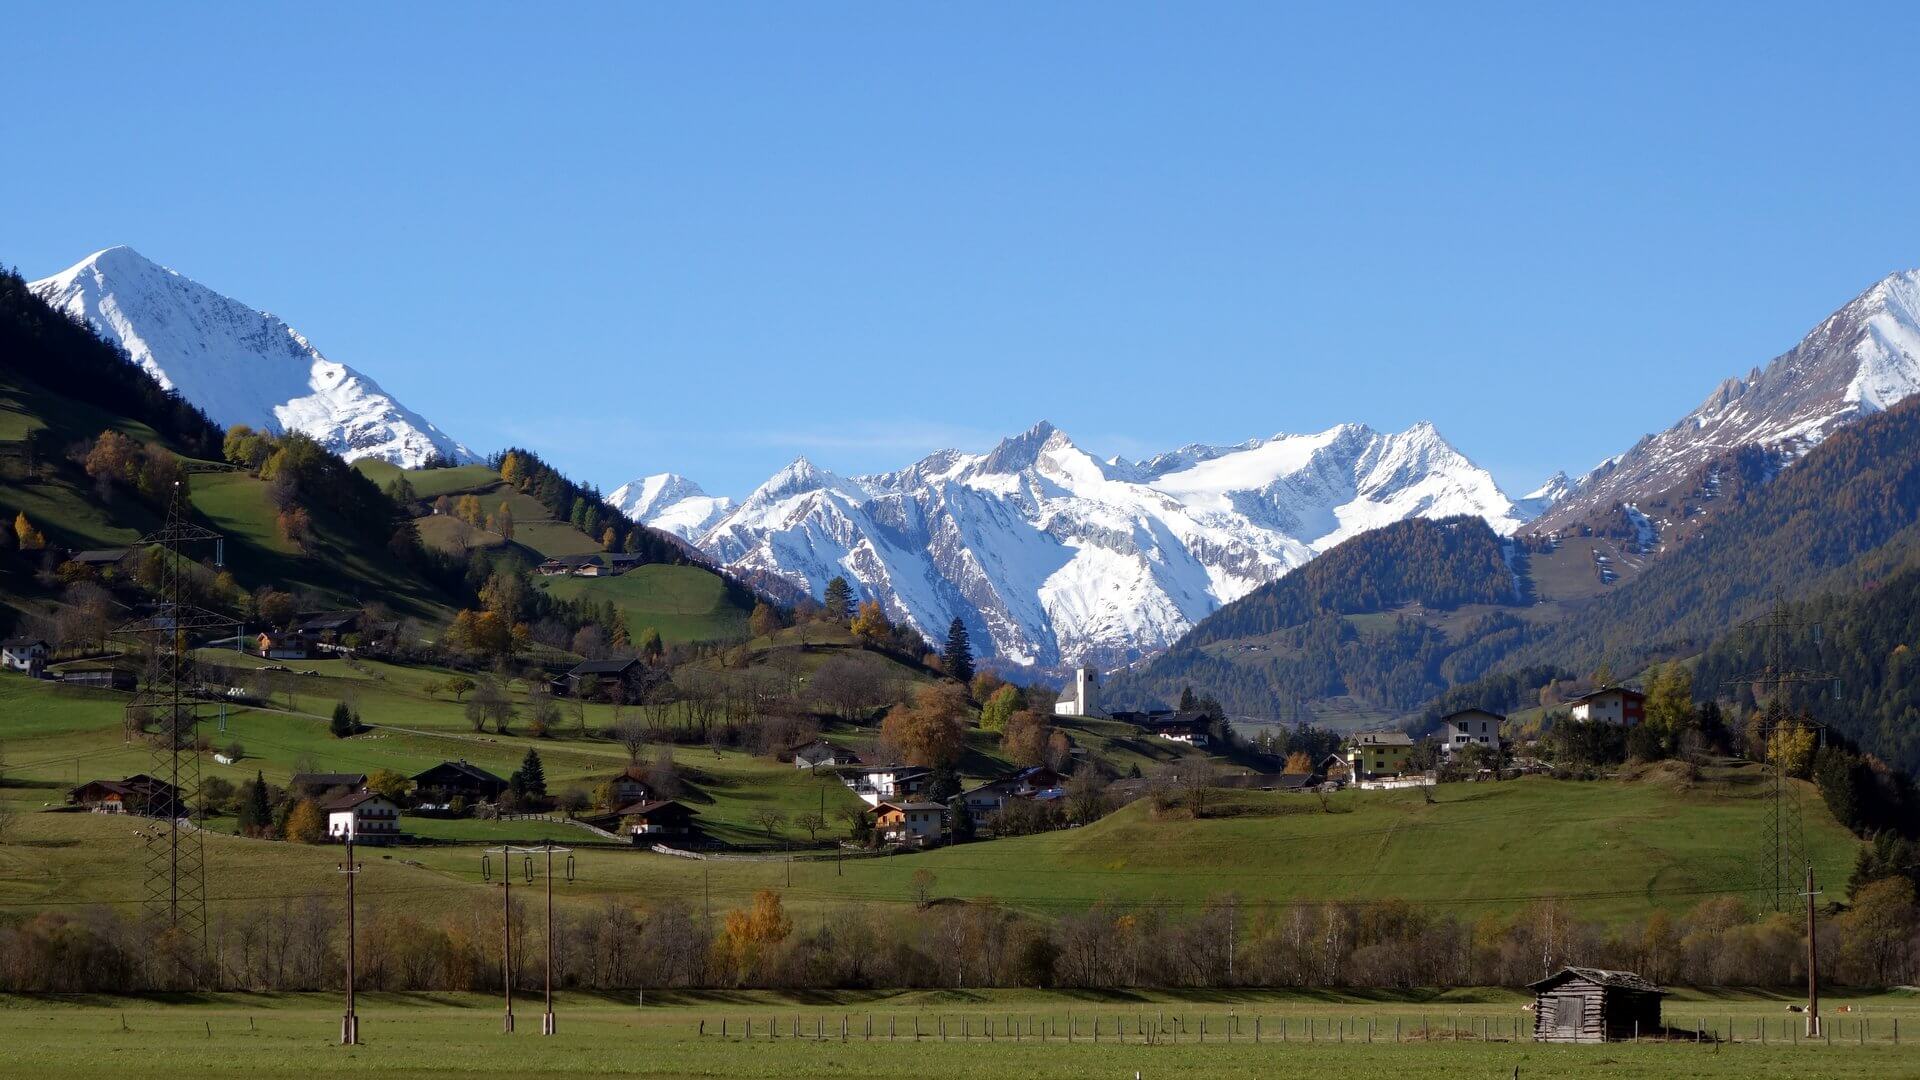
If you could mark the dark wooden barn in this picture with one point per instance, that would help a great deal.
(1580, 1004)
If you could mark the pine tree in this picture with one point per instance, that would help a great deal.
(1187, 702)
(533, 775)
(838, 604)
(958, 655)
(343, 723)
(255, 815)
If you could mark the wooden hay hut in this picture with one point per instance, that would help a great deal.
(1579, 1004)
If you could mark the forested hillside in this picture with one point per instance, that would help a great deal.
(1296, 640)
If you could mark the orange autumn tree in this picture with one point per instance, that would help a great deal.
(933, 730)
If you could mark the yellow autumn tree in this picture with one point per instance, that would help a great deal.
(871, 623)
(31, 539)
(1791, 748)
(305, 825)
(510, 469)
(1298, 764)
(748, 933)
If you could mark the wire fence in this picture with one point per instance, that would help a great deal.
(1161, 1028)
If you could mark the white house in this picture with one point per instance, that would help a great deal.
(1082, 696)
(909, 822)
(875, 783)
(1614, 705)
(1470, 727)
(822, 753)
(365, 817)
(24, 654)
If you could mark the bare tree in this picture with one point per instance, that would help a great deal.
(631, 734)
(769, 819)
(1197, 777)
(922, 884)
(812, 821)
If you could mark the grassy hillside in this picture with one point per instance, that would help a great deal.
(1612, 849)
(684, 603)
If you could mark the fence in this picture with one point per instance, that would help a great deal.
(1160, 1028)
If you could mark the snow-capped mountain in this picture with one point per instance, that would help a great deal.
(671, 503)
(240, 365)
(1862, 359)
(1054, 557)
(1541, 499)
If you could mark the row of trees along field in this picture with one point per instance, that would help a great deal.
(923, 939)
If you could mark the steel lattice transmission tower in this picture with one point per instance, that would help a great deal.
(1783, 841)
(165, 711)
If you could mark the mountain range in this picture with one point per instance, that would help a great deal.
(1055, 557)
(240, 365)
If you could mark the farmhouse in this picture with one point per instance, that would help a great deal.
(1379, 753)
(993, 796)
(1082, 696)
(605, 672)
(363, 817)
(659, 819)
(1186, 727)
(451, 779)
(138, 794)
(1470, 727)
(821, 752)
(876, 782)
(1614, 705)
(915, 823)
(275, 645)
(318, 783)
(620, 562)
(329, 627)
(630, 786)
(575, 565)
(1592, 1005)
(24, 654)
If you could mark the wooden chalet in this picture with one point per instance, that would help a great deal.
(449, 779)
(1590, 1005)
(319, 783)
(138, 794)
(657, 820)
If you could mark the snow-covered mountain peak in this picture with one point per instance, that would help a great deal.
(670, 502)
(1863, 358)
(239, 364)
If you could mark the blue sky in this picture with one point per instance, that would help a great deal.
(707, 238)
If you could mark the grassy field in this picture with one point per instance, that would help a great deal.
(432, 1035)
(684, 603)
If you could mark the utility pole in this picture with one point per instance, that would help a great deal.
(547, 1026)
(350, 1023)
(1813, 963)
(506, 853)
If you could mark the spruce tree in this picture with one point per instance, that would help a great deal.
(958, 655)
(533, 775)
(838, 604)
(255, 815)
(1187, 703)
(343, 723)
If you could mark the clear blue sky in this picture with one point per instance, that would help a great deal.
(707, 238)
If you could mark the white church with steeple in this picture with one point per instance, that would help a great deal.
(1082, 696)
